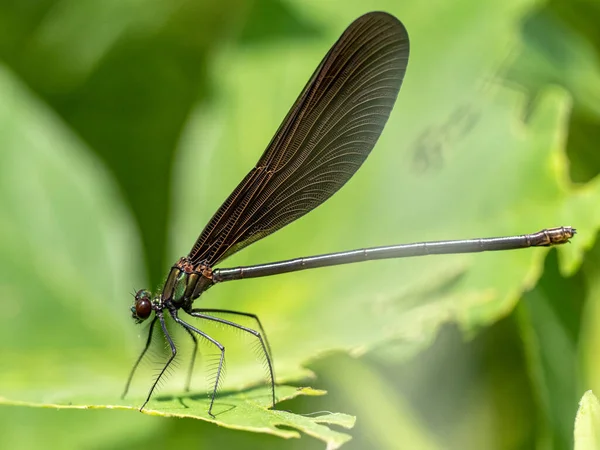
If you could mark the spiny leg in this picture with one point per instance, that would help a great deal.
(173, 354)
(219, 346)
(137, 363)
(198, 313)
(193, 361)
(238, 313)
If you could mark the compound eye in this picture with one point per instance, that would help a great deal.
(143, 305)
(143, 308)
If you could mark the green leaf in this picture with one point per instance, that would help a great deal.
(556, 51)
(386, 413)
(68, 252)
(550, 330)
(590, 335)
(587, 423)
(246, 410)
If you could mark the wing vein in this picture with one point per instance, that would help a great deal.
(324, 139)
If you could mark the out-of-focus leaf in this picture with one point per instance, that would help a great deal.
(590, 336)
(68, 253)
(558, 48)
(387, 417)
(124, 76)
(499, 176)
(271, 21)
(558, 52)
(554, 53)
(24, 427)
(550, 328)
(587, 423)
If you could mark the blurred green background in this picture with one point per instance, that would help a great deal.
(125, 123)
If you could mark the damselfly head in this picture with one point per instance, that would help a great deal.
(142, 307)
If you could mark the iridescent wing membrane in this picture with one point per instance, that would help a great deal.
(324, 139)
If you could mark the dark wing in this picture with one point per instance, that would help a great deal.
(322, 142)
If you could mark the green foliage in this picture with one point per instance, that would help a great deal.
(124, 125)
(244, 410)
(587, 423)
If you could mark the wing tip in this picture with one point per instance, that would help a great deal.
(386, 18)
